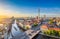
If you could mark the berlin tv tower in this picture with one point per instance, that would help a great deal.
(39, 12)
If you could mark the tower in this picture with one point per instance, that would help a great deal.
(39, 12)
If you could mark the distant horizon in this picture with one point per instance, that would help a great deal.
(4, 16)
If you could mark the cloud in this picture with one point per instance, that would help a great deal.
(50, 10)
(6, 9)
(10, 11)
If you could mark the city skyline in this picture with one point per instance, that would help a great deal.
(27, 8)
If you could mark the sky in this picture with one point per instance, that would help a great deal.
(25, 8)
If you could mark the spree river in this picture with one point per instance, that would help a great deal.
(15, 31)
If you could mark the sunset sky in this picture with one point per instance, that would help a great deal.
(25, 8)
